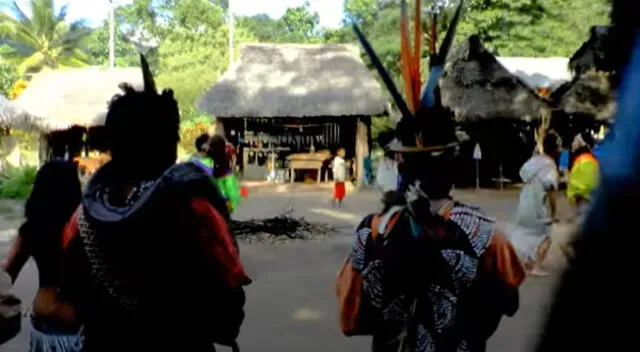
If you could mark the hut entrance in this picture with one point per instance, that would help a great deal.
(85, 146)
(506, 145)
(290, 149)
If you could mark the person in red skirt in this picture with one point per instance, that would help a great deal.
(339, 168)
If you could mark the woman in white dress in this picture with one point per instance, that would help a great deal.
(531, 235)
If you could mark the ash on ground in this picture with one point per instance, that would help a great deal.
(282, 228)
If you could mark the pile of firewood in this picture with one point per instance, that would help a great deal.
(284, 226)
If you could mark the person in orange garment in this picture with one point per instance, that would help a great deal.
(149, 262)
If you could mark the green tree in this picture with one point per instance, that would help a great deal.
(8, 76)
(43, 39)
(126, 52)
(301, 24)
(264, 28)
(533, 27)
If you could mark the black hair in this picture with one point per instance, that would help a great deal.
(550, 143)
(217, 152)
(147, 124)
(202, 142)
(434, 173)
(55, 196)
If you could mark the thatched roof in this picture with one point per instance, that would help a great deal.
(295, 80)
(64, 98)
(476, 86)
(589, 94)
(592, 55)
(12, 116)
(544, 72)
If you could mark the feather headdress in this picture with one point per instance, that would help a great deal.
(422, 115)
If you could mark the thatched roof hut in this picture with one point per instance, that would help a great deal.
(12, 116)
(74, 97)
(475, 86)
(296, 80)
(589, 94)
(592, 55)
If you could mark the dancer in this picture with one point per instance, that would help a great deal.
(436, 274)
(55, 196)
(201, 159)
(223, 174)
(150, 264)
(531, 234)
(584, 175)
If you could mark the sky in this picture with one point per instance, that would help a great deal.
(95, 11)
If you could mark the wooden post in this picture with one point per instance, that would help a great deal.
(362, 151)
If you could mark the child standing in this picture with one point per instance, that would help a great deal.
(339, 168)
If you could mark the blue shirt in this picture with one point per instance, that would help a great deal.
(563, 163)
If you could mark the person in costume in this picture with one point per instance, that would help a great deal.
(55, 196)
(434, 274)
(531, 233)
(150, 264)
(201, 159)
(339, 169)
(584, 175)
(223, 174)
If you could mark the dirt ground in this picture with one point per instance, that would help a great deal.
(291, 304)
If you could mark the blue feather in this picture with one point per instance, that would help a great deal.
(391, 87)
(428, 96)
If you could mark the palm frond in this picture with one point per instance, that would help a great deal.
(33, 62)
(19, 16)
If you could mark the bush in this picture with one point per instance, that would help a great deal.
(191, 127)
(16, 183)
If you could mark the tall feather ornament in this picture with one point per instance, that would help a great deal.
(437, 68)
(407, 58)
(417, 52)
(147, 76)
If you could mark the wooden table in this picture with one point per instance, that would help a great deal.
(307, 161)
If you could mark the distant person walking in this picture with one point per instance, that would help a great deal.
(531, 235)
(339, 168)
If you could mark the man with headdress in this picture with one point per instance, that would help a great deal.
(434, 274)
(150, 263)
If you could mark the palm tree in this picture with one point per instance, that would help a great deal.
(43, 39)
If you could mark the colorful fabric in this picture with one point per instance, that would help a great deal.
(583, 178)
(122, 261)
(426, 275)
(229, 187)
(339, 191)
(204, 163)
(563, 162)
